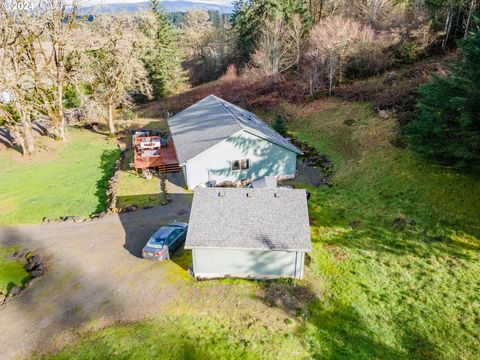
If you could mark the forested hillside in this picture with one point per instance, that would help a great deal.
(55, 61)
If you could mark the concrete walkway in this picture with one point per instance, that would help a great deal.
(94, 277)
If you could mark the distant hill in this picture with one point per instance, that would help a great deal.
(169, 6)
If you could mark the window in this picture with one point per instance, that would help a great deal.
(243, 164)
(173, 236)
(236, 165)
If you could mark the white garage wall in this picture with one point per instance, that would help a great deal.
(266, 158)
(246, 263)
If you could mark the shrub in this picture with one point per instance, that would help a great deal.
(280, 126)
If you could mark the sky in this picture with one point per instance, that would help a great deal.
(221, 2)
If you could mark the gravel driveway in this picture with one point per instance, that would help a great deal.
(94, 277)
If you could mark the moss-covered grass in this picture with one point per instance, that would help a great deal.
(136, 190)
(12, 272)
(63, 179)
(393, 273)
(175, 338)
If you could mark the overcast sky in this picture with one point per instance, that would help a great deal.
(222, 2)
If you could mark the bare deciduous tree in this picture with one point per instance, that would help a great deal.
(296, 34)
(197, 33)
(332, 41)
(18, 79)
(58, 19)
(374, 11)
(275, 52)
(114, 66)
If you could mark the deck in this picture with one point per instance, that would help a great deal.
(149, 156)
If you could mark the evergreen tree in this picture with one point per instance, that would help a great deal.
(163, 61)
(280, 126)
(448, 125)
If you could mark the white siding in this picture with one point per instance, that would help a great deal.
(266, 158)
(208, 263)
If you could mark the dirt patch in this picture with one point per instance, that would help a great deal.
(292, 300)
(336, 251)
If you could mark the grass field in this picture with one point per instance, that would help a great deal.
(396, 242)
(393, 272)
(12, 272)
(61, 180)
(136, 189)
(172, 338)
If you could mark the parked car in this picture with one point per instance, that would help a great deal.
(165, 241)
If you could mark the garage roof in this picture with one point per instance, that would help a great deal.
(212, 120)
(256, 219)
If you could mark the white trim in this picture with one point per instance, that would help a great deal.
(243, 276)
(245, 248)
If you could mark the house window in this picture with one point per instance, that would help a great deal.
(243, 164)
(236, 165)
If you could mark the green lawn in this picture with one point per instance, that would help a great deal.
(136, 189)
(394, 272)
(12, 272)
(171, 338)
(62, 180)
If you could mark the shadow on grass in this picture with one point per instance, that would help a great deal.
(182, 257)
(340, 332)
(107, 164)
(141, 200)
(336, 332)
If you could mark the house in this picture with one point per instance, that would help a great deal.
(252, 233)
(216, 141)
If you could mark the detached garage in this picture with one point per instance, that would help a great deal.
(252, 233)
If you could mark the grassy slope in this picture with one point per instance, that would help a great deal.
(12, 272)
(64, 179)
(389, 291)
(379, 290)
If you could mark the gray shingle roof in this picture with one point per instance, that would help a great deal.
(260, 219)
(212, 120)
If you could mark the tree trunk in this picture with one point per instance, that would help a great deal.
(110, 117)
(19, 140)
(469, 16)
(61, 115)
(27, 141)
(448, 26)
(330, 81)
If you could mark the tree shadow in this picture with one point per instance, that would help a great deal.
(265, 159)
(140, 225)
(340, 332)
(182, 257)
(107, 165)
(333, 332)
(56, 300)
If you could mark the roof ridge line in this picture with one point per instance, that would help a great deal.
(250, 129)
(221, 102)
